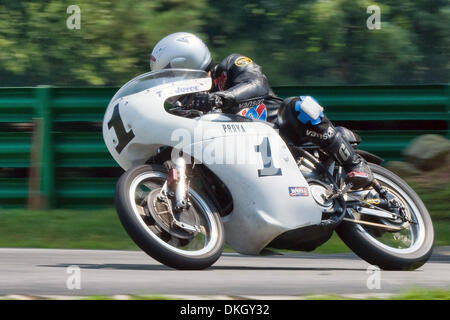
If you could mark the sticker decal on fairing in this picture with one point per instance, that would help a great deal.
(183, 90)
(233, 128)
(298, 191)
(256, 112)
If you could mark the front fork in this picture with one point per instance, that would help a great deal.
(176, 186)
(175, 194)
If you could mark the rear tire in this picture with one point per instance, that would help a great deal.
(363, 244)
(149, 242)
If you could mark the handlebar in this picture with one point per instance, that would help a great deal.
(182, 110)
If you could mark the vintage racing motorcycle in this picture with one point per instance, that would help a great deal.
(194, 181)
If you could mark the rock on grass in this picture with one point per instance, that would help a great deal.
(428, 152)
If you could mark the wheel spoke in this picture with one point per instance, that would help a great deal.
(141, 211)
(174, 241)
(156, 230)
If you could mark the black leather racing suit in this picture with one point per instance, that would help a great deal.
(241, 84)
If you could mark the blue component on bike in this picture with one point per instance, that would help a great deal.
(304, 117)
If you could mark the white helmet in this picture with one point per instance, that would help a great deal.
(180, 50)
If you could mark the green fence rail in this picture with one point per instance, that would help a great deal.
(52, 152)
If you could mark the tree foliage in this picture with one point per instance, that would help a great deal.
(296, 42)
(113, 44)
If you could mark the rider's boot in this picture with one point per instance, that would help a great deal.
(357, 170)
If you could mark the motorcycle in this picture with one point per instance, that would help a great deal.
(194, 181)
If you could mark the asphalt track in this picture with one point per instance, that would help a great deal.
(40, 272)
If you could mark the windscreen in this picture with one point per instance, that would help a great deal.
(152, 79)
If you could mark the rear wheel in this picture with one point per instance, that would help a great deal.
(404, 249)
(150, 222)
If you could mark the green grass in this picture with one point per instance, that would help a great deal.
(436, 198)
(101, 229)
(334, 245)
(96, 229)
(132, 297)
(424, 294)
(412, 294)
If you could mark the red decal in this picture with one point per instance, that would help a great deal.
(260, 108)
(357, 174)
(220, 81)
(243, 112)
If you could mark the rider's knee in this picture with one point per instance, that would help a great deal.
(300, 118)
(308, 110)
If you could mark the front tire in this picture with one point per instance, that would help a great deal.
(156, 241)
(366, 244)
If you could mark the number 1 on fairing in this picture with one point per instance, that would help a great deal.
(266, 154)
(123, 137)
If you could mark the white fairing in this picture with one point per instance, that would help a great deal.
(238, 152)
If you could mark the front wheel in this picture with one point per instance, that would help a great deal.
(151, 224)
(407, 249)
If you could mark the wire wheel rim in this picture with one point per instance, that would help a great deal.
(417, 235)
(212, 235)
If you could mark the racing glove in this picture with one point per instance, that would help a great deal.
(206, 101)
